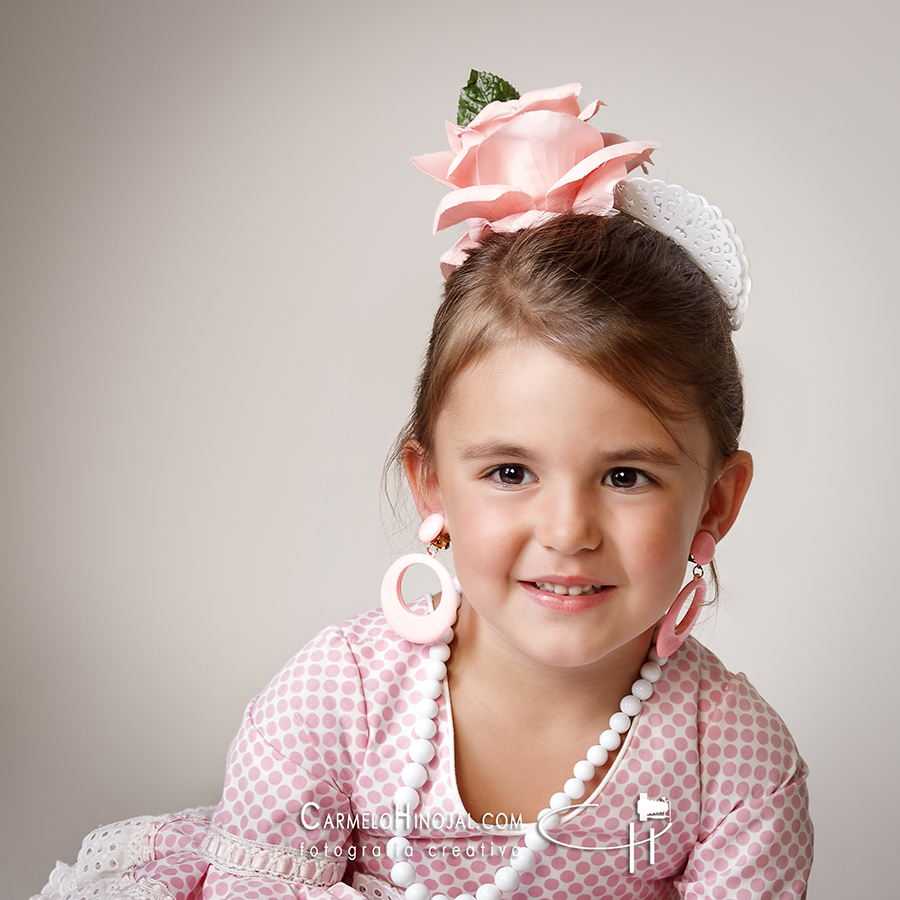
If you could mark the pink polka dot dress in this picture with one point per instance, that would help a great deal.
(706, 798)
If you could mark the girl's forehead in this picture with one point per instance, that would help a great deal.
(527, 391)
(519, 378)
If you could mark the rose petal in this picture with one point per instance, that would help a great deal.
(488, 201)
(638, 161)
(534, 151)
(562, 99)
(517, 221)
(453, 135)
(596, 193)
(462, 171)
(642, 160)
(435, 164)
(563, 193)
(590, 110)
(457, 254)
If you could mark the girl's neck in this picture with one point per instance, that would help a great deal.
(505, 674)
(520, 725)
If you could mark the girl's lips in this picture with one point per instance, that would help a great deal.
(568, 603)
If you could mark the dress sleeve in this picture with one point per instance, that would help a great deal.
(755, 836)
(300, 745)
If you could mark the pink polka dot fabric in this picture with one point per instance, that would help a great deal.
(313, 770)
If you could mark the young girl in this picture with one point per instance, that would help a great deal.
(550, 731)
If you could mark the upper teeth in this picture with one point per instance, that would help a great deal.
(574, 591)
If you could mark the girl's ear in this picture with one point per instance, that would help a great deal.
(422, 479)
(727, 494)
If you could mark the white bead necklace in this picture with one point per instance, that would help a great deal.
(422, 751)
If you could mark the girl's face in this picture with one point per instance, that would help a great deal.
(571, 509)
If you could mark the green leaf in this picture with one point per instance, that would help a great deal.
(483, 88)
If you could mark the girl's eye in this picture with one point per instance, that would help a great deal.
(627, 478)
(513, 476)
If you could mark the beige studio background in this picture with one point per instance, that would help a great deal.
(216, 279)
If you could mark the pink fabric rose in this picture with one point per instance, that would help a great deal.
(522, 161)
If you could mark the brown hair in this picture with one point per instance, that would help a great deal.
(608, 292)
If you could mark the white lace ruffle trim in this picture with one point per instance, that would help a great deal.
(107, 856)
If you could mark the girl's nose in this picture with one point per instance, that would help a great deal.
(569, 523)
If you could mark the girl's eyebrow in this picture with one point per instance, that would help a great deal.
(498, 449)
(494, 449)
(648, 454)
(638, 453)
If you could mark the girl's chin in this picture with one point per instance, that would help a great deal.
(567, 603)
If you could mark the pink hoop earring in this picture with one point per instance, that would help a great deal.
(672, 633)
(415, 628)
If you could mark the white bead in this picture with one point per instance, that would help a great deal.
(506, 879)
(447, 636)
(406, 798)
(631, 705)
(421, 751)
(642, 689)
(439, 897)
(427, 709)
(584, 770)
(399, 849)
(436, 669)
(401, 824)
(598, 755)
(549, 820)
(432, 688)
(651, 672)
(522, 859)
(619, 722)
(574, 788)
(403, 874)
(610, 739)
(535, 841)
(414, 775)
(464, 897)
(560, 800)
(417, 891)
(425, 728)
(439, 651)
(488, 892)
(655, 657)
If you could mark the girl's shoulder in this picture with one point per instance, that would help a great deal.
(696, 671)
(734, 726)
(355, 656)
(367, 635)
